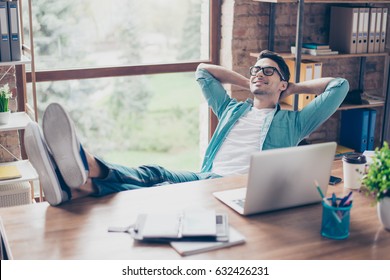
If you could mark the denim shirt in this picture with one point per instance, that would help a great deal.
(285, 129)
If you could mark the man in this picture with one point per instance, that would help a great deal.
(67, 171)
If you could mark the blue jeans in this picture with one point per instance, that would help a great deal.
(121, 178)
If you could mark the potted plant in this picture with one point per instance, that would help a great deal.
(377, 181)
(5, 95)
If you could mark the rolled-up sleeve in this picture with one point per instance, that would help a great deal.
(213, 91)
(322, 107)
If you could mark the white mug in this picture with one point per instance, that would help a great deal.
(353, 170)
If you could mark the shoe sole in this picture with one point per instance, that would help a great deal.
(61, 138)
(40, 159)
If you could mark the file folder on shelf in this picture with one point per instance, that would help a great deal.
(371, 130)
(343, 29)
(306, 74)
(15, 44)
(317, 71)
(366, 18)
(354, 129)
(371, 32)
(378, 27)
(362, 30)
(383, 30)
(5, 50)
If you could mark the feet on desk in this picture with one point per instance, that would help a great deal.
(51, 181)
(61, 138)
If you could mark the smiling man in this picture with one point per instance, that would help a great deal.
(67, 171)
(259, 123)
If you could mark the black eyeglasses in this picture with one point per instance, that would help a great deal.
(267, 71)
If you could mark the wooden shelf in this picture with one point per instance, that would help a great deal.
(348, 107)
(318, 57)
(26, 169)
(288, 107)
(18, 120)
(24, 60)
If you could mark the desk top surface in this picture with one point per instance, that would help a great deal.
(78, 229)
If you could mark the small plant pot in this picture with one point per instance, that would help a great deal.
(383, 208)
(4, 117)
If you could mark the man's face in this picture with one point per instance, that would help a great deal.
(261, 84)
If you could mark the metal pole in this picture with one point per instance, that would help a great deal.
(298, 47)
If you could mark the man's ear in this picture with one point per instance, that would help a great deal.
(284, 85)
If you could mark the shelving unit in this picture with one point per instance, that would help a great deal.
(385, 135)
(18, 120)
(25, 113)
(26, 170)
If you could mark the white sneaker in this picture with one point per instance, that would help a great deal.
(43, 163)
(61, 138)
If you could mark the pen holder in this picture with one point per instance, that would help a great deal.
(335, 220)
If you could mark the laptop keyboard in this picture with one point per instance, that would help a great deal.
(240, 202)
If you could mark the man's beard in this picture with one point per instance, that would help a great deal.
(260, 92)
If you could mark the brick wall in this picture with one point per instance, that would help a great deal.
(9, 139)
(248, 32)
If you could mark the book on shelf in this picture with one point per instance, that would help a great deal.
(371, 99)
(8, 172)
(315, 46)
(191, 248)
(316, 52)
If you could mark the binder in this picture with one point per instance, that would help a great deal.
(305, 75)
(317, 72)
(378, 27)
(5, 50)
(362, 30)
(13, 13)
(383, 30)
(371, 32)
(366, 20)
(371, 130)
(343, 29)
(354, 129)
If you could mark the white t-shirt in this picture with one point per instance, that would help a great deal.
(243, 140)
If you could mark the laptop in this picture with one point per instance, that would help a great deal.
(282, 178)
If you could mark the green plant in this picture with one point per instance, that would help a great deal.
(5, 95)
(377, 179)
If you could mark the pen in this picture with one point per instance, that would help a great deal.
(346, 199)
(326, 201)
(334, 200)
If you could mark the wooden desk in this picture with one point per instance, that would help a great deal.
(78, 229)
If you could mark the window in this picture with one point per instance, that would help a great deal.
(92, 33)
(134, 120)
(107, 63)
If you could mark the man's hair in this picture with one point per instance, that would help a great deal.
(279, 61)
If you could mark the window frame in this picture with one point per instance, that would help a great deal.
(144, 69)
